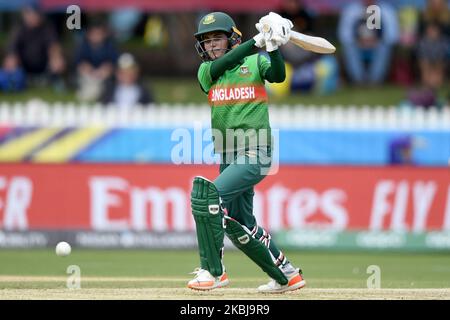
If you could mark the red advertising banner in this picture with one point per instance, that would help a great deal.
(108, 197)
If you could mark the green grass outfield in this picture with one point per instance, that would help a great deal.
(155, 274)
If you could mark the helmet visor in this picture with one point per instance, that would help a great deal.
(210, 49)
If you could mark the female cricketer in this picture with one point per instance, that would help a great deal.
(233, 76)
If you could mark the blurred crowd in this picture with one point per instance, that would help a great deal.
(410, 47)
(99, 71)
(407, 47)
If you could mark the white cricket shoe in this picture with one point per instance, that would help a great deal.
(206, 281)
(295, 281)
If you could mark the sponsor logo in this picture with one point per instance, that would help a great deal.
(23, 239)
(373, 239)
(162, 240)
(312, 238)
(439, 240)
(16, 195)
(109, 202)
(209, 19)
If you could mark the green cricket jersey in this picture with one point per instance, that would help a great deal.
(238, 100)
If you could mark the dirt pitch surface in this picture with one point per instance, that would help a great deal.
(17, 287)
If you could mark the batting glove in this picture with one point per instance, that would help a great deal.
(275, 28)
(259, 40)
(271, 45)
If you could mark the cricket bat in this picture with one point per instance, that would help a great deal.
(310, 43)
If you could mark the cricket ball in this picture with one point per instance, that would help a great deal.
(63, 249)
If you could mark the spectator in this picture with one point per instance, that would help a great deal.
(301, 60)
(403, 60)
(403, 147)
(34, 48)
(310, 71)
(433, 49)
(401, 150)
(12, 77)
(422, 96)
(432, 52)
(301, 18)
(437, 12)
(367, 51)
(126, 91)
(95, 61)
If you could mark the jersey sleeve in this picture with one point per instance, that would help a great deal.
(204, 76)
(264, 65)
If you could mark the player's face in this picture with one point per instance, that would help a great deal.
(216, 44)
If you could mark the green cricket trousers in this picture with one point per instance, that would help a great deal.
(238, 176)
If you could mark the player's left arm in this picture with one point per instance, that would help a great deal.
(276, 32)
(231, 59)
(273, 70)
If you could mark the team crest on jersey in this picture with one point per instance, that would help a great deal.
(209, 19)
(244, 72)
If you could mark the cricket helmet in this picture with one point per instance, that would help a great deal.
(213, 22)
